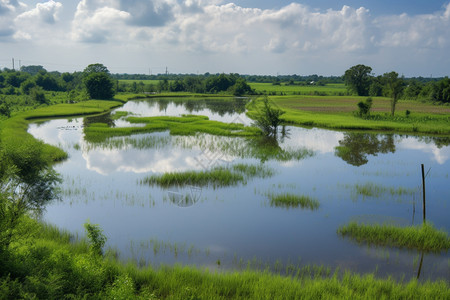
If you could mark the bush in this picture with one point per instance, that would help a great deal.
(364, 107)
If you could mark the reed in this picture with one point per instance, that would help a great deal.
(290, 201)
(215, 177)
(423, 237)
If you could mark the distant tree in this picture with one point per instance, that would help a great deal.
(441, 91)
(38, 95)
(47, 81)
(98, 82)
(394, 86)
(5, 109)
(15, 79)
(99, 86)
(376, 87)
(358, 79)
(27, 85)
(32, 70)
(241, 88)
(95, 68)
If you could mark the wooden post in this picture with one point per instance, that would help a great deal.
(423, 192)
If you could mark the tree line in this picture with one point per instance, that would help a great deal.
(360, 80)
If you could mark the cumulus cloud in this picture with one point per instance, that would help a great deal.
(147, 13)
(210, 27)
(8, 11)
(98, 21)
(37, 22)
(46, 12)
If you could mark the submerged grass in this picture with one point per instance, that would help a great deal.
(289, 200)
(370, 189)
(215, 177)
(423, 237)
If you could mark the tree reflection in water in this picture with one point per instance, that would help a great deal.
(355, 147)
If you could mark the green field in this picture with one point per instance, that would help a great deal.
(339, 113)
(328, 89)
(130, 81)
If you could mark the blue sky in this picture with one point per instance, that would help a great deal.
(243, 36)
(376, 7)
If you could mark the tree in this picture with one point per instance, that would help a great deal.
(99, 86)
(27, 184)
(32, 70)
(364, 107)
(268, 118)
(38, 95)
(394, 88)
(95, 68)
(358, 79)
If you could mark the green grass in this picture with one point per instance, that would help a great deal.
(13, 131)
(215, 177)
(147, 81)
(290, 201)
(47, 266)
(424, 237)
(374, 190)
(338, 113)
(185, 125)
(328, 89)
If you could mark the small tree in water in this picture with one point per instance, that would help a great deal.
(268, 118)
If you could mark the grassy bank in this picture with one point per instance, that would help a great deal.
(424, 237)
(46, 265)
(338, 113)
(14, 135)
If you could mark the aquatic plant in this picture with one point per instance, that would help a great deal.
(423, 237)
(215, 177)
(289, 201)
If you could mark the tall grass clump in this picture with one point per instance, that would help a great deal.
(423, 237)
(215, 177)
(289, 200)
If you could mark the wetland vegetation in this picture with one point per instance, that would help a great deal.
(423, 237)
(208, 142)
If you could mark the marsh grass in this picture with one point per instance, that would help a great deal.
(215, 177)
(292, 201)
(423, 237)
(50, 264)
(370, 189)
(184, 125)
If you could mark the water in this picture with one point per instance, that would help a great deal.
(225, 228)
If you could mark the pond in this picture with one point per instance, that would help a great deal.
(372, 178)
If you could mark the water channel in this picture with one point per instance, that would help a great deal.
(237, 227)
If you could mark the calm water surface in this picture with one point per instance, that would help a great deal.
(230, 227)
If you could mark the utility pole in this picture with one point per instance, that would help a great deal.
(423, 192)
(167, 71)
(13, 63)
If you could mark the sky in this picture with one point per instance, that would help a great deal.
(324, 37)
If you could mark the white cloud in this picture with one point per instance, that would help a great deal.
(195, 33)
(98, 22)
(46, 12)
